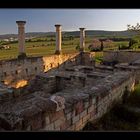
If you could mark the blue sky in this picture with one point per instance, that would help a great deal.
(43, 20)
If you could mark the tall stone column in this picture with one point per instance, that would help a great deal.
(82, 39)
(58, 39)
(21, 38)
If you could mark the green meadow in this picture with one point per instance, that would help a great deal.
(46, 46)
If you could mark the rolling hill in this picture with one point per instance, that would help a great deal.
(97, 33)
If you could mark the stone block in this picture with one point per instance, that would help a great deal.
(79, 107)
(86, 118)
(75, 119)
(67, 109)
(36, 122)
(73, 113)
(69, 116)
(93, 101)
(49, 127)
(71, 128)
(47, 120)
(57, 129)
(86, 105)
(66, 124)
(92, 114)
(59, 122)
(78, 124)
(54, 116)
(29, 128)
(90, 101)
(91, 108)
(82, 114)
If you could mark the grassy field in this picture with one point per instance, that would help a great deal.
(46, 47)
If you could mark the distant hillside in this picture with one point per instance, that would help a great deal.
(75, 33)
(103, 33)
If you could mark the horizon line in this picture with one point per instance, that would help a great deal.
(65, 31)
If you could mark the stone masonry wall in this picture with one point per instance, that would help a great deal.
(37, 112)
(121, 56)
(16, 69)
(83, 107)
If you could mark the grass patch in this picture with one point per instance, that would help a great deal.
(47, 47)
(98, 57)
(134, 99)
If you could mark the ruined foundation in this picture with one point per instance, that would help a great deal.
(62, 92)
(64, 96)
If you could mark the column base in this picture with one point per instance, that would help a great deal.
(58, 52)
(22, 56)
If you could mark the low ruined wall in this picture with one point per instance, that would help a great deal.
(121, 56)
(87, 107)
(37, 112)
(16, 69)
(55, 61)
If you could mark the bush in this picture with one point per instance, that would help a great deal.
(77, 47)
(123, 47)
(22, 56)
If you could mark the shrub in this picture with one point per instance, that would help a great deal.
(77, 47)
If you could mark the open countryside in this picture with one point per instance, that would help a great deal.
(45, 44)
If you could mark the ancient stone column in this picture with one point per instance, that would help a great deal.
(58, 39)
(82, 39)
(21, 38)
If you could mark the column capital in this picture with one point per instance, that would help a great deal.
(57, 25)
(21, 22)
(82, 29)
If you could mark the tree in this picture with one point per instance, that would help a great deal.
(102, 46)
(135, 28)
(135, 41)
(77, 47)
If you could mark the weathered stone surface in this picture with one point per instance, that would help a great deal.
(88, 92)
(56, 115)
(78, 125)
(86, 118)
(91, 108)
(49, 127)
(69, 115)
(47, 120)
(83, 114)
(75, 119)
(59, 122)
(79, 107)
(59, 101)
(66, 124)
